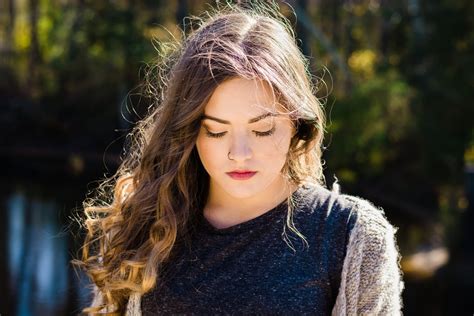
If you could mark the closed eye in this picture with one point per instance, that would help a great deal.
(214, 135)
(267, 133)
(257, 133)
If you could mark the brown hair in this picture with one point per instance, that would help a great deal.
(137, 215)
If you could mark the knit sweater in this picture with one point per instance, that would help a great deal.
(371, 279)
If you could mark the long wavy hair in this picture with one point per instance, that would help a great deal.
(136, 216)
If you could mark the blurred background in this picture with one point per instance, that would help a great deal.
(399, 79)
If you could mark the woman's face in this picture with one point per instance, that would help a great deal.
(242, 131)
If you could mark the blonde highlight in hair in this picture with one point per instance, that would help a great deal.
(137, 215)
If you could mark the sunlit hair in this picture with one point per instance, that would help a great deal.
(137, 215)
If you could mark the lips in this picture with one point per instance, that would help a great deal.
(241, 175)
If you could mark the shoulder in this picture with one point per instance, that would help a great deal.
(315, 196)
(372, 233)
(366, 220)
(325, 214)
(372, 225)
(328, 204)
(368, 213)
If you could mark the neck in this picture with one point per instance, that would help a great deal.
(224, 210)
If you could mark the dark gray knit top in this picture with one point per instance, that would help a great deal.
(248, 269)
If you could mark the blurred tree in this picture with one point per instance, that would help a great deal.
(34, 60)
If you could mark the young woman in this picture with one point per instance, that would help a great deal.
(221, 207)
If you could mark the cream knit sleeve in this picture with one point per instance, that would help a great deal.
(97, 298)
(371, 280)
(133, 304)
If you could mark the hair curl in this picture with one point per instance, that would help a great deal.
(137, 215)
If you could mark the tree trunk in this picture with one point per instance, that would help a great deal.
(9, 27)
(34, 55)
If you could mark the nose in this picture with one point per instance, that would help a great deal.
(240, 149)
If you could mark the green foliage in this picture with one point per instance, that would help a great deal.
(403, 89)
(368, 126)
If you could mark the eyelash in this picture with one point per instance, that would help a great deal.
(258, 134)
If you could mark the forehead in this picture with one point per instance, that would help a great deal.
(242, 99)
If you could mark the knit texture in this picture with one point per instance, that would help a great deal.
(371, 278)
(371, 281)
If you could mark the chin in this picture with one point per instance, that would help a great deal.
(242, 190)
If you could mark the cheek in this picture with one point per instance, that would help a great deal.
(208, 152)
(280, 143)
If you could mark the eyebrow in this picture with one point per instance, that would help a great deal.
(252, 120)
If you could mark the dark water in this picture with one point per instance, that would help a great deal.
(38, 241)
